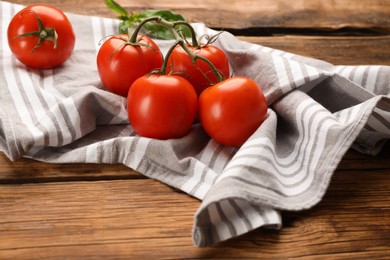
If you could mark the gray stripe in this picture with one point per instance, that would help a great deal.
(211, 163)
(381, 119)
(376, 89)
(225, 220)
(68, 121)
(51, 115)
(262, 213)
(29, 107)
(274, 160)
(215, 156)
(352, 74)
(365, 77)
(289, 73)
(207, 233)
(240, 213)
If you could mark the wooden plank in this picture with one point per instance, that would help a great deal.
(371, 14)
(30, 171)
(27, 170)
(339, 50)
(120, 219)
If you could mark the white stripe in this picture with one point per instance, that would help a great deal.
(190, 184)
(97, 32)
(108, 27)
(74, 116)
(278, 170)
(371, 78)
(251, 214)
(255, 47)
(348, 115)
(91, 153)
(10, 79)
(209, 151)
(232, 215)
(199, 168)
(223, 158)
(282, 171)
(31, 93)
(205, 185)
(266, 49)
(338, 69)
(383, 113)
(120, 117)
(299, 118)
(273, 216)
(296, 73)
(139, 152)
(277, 52)
(288, 55)
(48, 85)
(49, 92)
(312, 72)
(347, 71)
(221, 227)
(282, 74)
(359, 73)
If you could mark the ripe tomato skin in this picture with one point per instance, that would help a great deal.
(119, 68)
(232, 110)
(180, 61)
(45, 56)
(162, 106)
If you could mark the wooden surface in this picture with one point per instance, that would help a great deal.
(109, 211)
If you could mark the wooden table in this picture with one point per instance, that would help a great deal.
(109, 211)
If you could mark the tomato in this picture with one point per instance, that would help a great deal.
(199, 74)
(120, 64)
(232, 110)
(162, 106)
(41, 36)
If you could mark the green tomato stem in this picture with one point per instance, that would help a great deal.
(43, 33)
(164, 65)
(133, 37)
(179, 41)
(192, 31)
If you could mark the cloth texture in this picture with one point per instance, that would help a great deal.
(317, 111)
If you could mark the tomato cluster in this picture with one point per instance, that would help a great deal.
(165, 96)
(164, 104)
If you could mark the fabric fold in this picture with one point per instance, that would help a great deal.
(317, 111)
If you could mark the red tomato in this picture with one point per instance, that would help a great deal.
(232, 110)
(41, 51)
(200, 74)
(120, 64)
(162, 106)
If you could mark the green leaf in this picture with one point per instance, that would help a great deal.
(117, 8)
(168, 15)
(125, 25)
(159, 31)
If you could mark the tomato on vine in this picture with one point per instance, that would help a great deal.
(232, 110)
(123, 59)
(162, 106)
(41, 36)
(199, 73)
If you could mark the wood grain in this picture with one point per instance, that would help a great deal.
(338, 50)
(15, 172)
(329, 15)
(119, 218)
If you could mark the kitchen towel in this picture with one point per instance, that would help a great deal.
(317, 111)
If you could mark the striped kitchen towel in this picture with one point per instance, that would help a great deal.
(317, 112)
